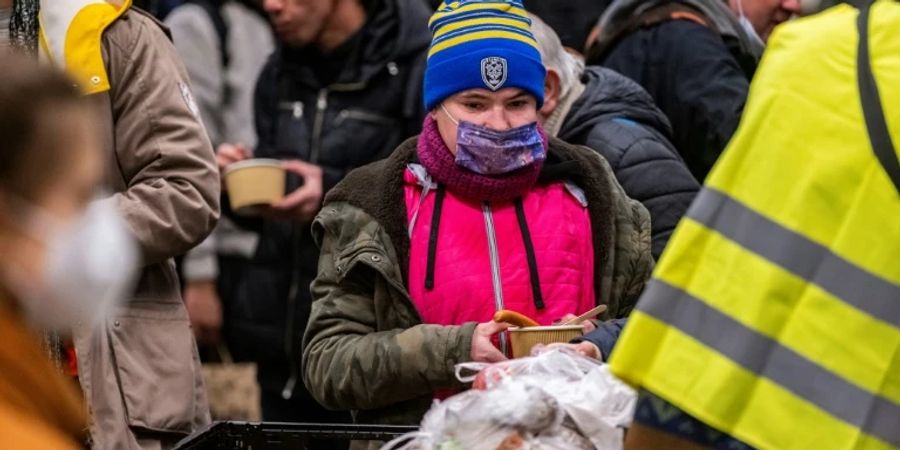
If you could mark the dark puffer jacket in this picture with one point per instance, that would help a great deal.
(373, 106)
(698, 75)
(617, 118)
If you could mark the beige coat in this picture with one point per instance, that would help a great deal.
(141, 372)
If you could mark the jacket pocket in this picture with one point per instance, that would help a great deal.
(369, 256)
(155, 365)
(365, 254)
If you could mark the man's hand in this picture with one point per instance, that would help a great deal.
(205, 310)
(483, 349)
(228, 154)
(303, 204)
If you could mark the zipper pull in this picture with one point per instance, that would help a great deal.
(288, 390)
(322, 102)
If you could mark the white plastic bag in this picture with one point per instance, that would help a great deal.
(555, 400)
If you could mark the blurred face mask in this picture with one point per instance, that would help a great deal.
(89, 267)
(491, 152)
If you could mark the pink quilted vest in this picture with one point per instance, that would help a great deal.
(481, 259)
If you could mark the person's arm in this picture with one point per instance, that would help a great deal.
(265, 116)
(604, 336)
(171, 202)
(632, 262)
(651, 172)
(351, 364)
(693, 78)
(710, 89)
(196, 41)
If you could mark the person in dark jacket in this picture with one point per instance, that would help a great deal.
(615, 117)
(338, 94)
(695, 58)
(572, 20)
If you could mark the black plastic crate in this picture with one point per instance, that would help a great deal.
(276, 436)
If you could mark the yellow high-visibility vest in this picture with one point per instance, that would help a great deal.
(71, 33)
(774, 313)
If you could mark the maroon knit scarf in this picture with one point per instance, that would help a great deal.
(441, 165)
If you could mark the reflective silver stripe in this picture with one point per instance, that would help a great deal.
(495, 265)
(798, 254)
(873, 414)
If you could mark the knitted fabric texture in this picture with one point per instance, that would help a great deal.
(484, 44)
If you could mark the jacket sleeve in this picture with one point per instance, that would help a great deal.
(633, 263)
(710, 88)
(350, 360)
(650, 171)
(604, 337)
(265, 108)
(171, 195)
(694, 79)
(196, 41)
(265, 116)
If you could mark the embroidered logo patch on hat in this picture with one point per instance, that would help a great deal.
(493, 72)
(481, 44)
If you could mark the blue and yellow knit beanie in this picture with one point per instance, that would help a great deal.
(482, 44)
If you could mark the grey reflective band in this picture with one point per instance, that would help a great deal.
(798, 254)
(873, 414)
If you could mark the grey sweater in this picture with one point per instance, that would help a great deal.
(5, 14)
(250, 42)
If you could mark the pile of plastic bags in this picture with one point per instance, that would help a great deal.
(556, 400)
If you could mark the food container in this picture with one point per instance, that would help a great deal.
(523, 339)
(253, 183)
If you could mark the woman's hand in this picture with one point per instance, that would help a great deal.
(483, 349)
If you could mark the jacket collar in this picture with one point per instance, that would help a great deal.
(71, 37)
(377, 189)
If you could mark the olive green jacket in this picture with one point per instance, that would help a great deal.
(366, 348)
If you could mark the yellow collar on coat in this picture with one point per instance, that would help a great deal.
(71, 33)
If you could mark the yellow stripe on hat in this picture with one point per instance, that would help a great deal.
(450, 27)
(480, 35)
(505, 8)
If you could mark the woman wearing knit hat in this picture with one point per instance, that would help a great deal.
(480, 212)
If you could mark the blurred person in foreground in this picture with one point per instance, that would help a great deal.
(481, 212)
(139, 370)
(341, 91)
(696, 59)
(224, 45)
(66, 260)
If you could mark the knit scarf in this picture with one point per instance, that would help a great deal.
(441, 165)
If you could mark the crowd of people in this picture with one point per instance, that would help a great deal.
(722, 175)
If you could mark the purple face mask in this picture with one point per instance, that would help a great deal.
(491, 152)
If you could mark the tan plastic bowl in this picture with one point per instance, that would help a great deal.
(253, 183)
(524, 339)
